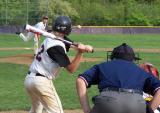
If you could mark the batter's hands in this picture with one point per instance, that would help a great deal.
(84, 48)
(81, 48)
(89, 49)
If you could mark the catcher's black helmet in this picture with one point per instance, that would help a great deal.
(62, 24)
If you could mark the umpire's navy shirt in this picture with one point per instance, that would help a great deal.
(120, 74)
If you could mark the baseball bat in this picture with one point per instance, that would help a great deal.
(46, 34)
(49, 35)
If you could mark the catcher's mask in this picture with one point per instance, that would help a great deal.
(63, 25)
(124, 52)
(150, 68)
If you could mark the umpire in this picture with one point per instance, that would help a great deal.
(120, 83)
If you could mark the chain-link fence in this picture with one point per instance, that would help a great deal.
(84, 12)
(19, 12)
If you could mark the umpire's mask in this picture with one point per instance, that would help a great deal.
(124, 52)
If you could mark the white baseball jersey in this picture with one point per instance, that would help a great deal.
(42, 63)
(40, 25)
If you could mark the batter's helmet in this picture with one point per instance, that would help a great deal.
(150, 68)
(124, 52)
(62, 24)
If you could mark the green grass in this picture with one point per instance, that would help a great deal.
(12, 40)
(13, 95)
(152, 58)
(109, 40)
(99, 40)
(65, 85)
(12, 92)
(15, 52)
(8, 40)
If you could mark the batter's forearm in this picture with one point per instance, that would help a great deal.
(75, 62)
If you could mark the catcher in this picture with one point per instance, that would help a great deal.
(150, 68)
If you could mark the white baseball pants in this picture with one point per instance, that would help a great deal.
(36, 44)
(28, 36)
(42, 94)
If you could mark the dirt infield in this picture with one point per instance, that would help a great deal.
(148, 50)
(27, 58)
(65, 111)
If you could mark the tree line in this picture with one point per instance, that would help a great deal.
(84, 12)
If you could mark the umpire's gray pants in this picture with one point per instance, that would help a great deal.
(118, 102)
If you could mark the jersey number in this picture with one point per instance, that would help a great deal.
(38, 56)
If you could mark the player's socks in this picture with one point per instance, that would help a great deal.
(21, 35)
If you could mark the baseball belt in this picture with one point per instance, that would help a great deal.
(123, 90)
(37, 74)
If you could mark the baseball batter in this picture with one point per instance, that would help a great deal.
(26, 37)
(50, 59)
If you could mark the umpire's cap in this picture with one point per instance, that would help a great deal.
(124, 52)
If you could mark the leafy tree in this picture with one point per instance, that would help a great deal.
(57, 7)
(85, 12)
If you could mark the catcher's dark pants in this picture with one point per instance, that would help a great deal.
(118, 102)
